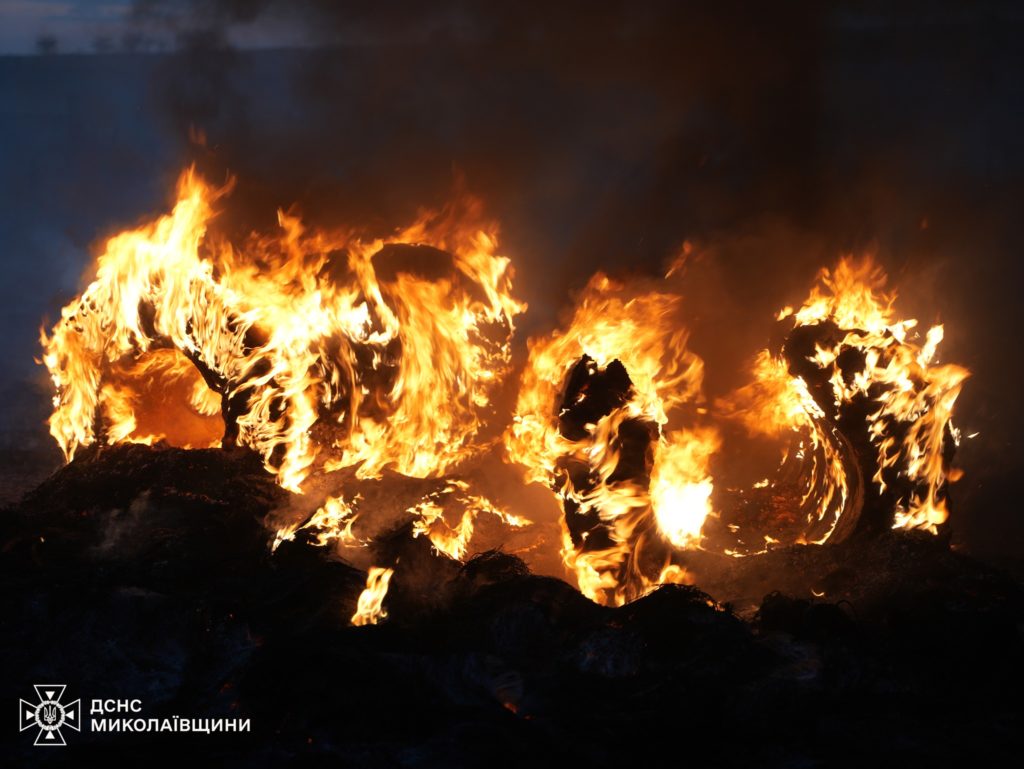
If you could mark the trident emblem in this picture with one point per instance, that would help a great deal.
(49, 715)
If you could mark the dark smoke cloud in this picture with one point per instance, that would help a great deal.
(656, 121)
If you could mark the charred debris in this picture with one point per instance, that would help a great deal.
(143, 571)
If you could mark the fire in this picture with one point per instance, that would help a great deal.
(432, 517)
(318, 349)
(611, 416)
(592, 422)
(681, 485)
(429, 518)
(778, 406)
(333, 521)
(370, 605)
(330, 349)
(868, 355)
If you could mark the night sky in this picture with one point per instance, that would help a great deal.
(600, 135)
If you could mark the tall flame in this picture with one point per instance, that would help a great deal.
(876, 358)
(634, 501)
(306, 350)
(639, 331)
(330, 349)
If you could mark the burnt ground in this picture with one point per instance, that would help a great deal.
(145, 573)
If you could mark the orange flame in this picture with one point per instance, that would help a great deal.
(324, 350)
(910, 394)
(429, 518)
(648, 518)
(640, 330)
(331, 522)
(309, 353)
(370, 604)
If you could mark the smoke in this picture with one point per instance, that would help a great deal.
(598, 134)
(602, 135)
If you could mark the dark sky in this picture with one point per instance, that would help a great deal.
(89, 26)
(601, 135)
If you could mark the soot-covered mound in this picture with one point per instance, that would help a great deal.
(146, 573)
